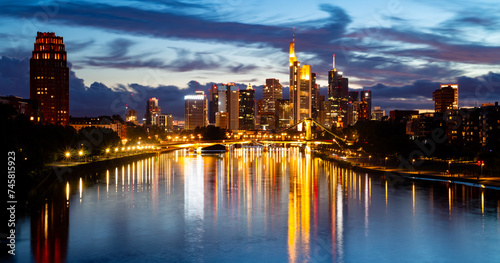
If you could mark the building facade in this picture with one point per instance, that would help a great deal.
(247, 108)
(195, 110)
(49, 78)
(213, 103)
(446, 98)
(152, 111)
(271, 92)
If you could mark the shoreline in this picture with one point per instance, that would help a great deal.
(482, 182)
(62, 172)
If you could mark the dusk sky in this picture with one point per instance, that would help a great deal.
(401, 50)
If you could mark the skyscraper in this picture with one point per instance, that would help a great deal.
(49, 78)
(366, 95)
(303, 107)
(314, 97)
(338, 95)
(232, 107)
(213, 103)
(195, 110)
(446, 98)
(152, 110)
(247, 108)
(294, 80)
(271, 92)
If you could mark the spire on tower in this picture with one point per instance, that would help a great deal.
(333, 60)
(293, 39)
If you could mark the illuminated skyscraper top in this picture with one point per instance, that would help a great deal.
(292, 56)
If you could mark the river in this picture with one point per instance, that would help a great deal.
(247, 205)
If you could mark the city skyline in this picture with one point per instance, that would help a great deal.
(109, 61)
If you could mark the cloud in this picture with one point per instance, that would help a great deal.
(418, 95)
(78, 46)
(14, 77)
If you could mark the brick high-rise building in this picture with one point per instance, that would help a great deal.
(49, 78)
(446, 98)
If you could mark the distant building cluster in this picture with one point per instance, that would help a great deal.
(233, 109)
(236, 109)
(472, 128)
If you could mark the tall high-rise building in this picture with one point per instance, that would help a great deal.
(314, 97)
(367, 96)
(303, 107)
(195, 110)
(221, 99)
(49, 78)
(363, 111)
(213, 103)
(338, 95)
(232, 107)
(152, 111)
(247, 108)
(271, 92)
(446, 98)
(294, 81)
(259, 109)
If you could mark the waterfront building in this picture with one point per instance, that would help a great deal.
(446, 98)
(247, 108)
(366, 95)
(49, 78)
(117, 125)
(195, 110)
(271, 92)
(259, 109)
(165, 121)
(213, 103)
(152, 111)
(338, 95)
(221, 119)
(300, 86)
(232, 107)
(23, 106)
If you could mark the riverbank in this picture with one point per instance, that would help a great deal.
(60, 172)
(421, 174)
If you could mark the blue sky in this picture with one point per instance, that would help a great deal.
(401, 50)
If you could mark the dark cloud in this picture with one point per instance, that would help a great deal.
(14, 77)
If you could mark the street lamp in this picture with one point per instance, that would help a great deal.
(449, 165)
(369, 159)
(482, 165)
(80, 154)
(385, 163)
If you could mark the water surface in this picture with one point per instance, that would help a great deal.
(253, 206)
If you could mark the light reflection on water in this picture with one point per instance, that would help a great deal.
(248, 205)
